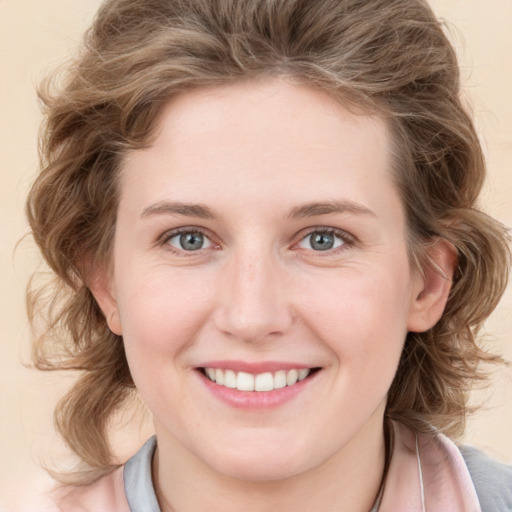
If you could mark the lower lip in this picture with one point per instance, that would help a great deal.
(255, 400)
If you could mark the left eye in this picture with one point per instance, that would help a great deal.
(190, 241)
(321, 241)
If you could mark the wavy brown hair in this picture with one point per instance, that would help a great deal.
(388, 57)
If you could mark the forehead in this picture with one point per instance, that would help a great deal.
(258, 109)
(298, 142)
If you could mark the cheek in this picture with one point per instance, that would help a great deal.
(161, 312)
(363, 319)
(162, 315)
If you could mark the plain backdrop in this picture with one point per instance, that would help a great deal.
(36, 36)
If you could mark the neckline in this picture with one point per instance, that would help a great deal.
(140, 490)
(389, 435)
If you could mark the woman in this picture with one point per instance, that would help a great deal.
(261, 216)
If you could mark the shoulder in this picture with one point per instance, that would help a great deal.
(492, 479)
(127, 488)
(105, 494)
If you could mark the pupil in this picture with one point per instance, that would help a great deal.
(191, 241)
(322, 241)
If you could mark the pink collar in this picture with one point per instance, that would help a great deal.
(427, 475)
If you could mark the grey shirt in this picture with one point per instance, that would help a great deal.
(492, 480)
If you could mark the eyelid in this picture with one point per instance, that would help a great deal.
(348, 239)
(164, 238)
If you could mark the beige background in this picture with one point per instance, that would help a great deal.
(35, 36)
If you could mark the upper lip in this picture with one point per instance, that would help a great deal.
(253, 367)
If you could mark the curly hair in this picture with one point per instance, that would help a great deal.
(388, 57)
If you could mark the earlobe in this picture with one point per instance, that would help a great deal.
(99, 283)
(433, 286)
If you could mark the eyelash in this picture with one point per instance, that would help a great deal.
(169, 235)
(347, 239)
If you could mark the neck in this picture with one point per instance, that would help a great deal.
(350, 480)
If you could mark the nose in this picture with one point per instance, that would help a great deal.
(253, 305)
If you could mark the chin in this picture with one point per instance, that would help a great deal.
(254, 471)
(262, 465)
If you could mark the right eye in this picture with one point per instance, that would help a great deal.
(189, 241)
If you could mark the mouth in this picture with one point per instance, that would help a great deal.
(262, 382)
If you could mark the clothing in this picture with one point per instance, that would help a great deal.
(492, 480)
(449, 479)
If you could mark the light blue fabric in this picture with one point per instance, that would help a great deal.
(138, 484)
(492, 480)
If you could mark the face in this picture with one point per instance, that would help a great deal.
(260, 243)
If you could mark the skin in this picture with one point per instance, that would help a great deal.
(254, 153)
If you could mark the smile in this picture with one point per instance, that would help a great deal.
(268, 381)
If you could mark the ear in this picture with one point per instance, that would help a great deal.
(432, 286)
(99, 282)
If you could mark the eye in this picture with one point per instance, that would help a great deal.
(323, 240)
(189, 241)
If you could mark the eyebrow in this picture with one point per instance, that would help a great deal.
(328, 207)
(176, 208)
(202, 211)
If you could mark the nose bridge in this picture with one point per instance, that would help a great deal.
(254, 305)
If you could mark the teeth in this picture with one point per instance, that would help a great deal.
(291, 377)
(264, 382)
(219, 377)
(303, 373)
(280, 379)
(229, 378)
(267, 381)
(244, 381)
